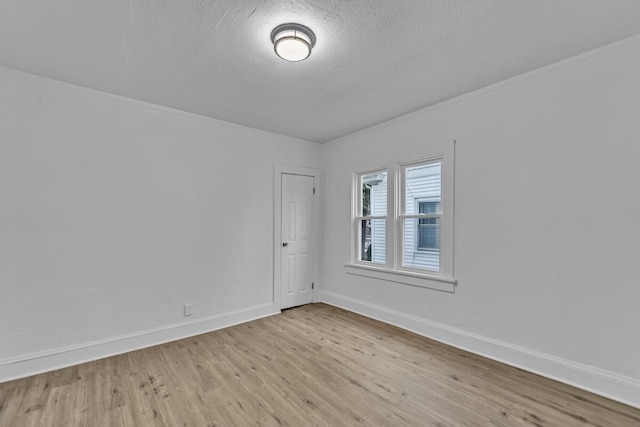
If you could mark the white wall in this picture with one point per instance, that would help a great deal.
(547, 222)
(115, 213)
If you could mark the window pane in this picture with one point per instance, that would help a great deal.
(373, 235)
(422, 243)
(374, 194)
(422, 183)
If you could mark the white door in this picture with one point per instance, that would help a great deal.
(297, 240)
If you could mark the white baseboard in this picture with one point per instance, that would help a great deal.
(36, 363)
(598, 381)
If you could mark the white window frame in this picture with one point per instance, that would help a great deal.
(393, 269)
(359, 217)
(402, 216)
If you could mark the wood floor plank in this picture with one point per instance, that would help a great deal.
(314, 365)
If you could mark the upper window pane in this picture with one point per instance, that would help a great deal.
(374, 194)
(424, 183)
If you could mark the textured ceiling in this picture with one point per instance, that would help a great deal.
(374, 59)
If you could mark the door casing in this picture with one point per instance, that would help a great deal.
(279, 170)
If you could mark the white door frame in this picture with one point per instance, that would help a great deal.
(278, 170)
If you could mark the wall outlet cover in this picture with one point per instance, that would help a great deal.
(188, 310)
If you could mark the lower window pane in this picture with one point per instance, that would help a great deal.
(373, 237)
(422, 243)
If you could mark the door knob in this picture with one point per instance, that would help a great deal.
(285, 244)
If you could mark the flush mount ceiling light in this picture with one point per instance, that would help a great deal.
(293, 42)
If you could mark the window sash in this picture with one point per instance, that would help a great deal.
(420, 216)
(371, 217)
(371, 213)
(376, 175)
(427, 186)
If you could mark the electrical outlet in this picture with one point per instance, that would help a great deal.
(188, 310)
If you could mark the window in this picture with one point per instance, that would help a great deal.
(403, 221)
(421, 213)
(372, 219)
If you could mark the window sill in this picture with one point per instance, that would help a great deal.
(438, 283)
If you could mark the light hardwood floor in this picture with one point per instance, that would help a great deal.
(315, 365)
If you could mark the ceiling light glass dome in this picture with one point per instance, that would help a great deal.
(293, 42)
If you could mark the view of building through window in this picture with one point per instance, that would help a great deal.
(428, 232)
(418, 216)
(374, 212)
